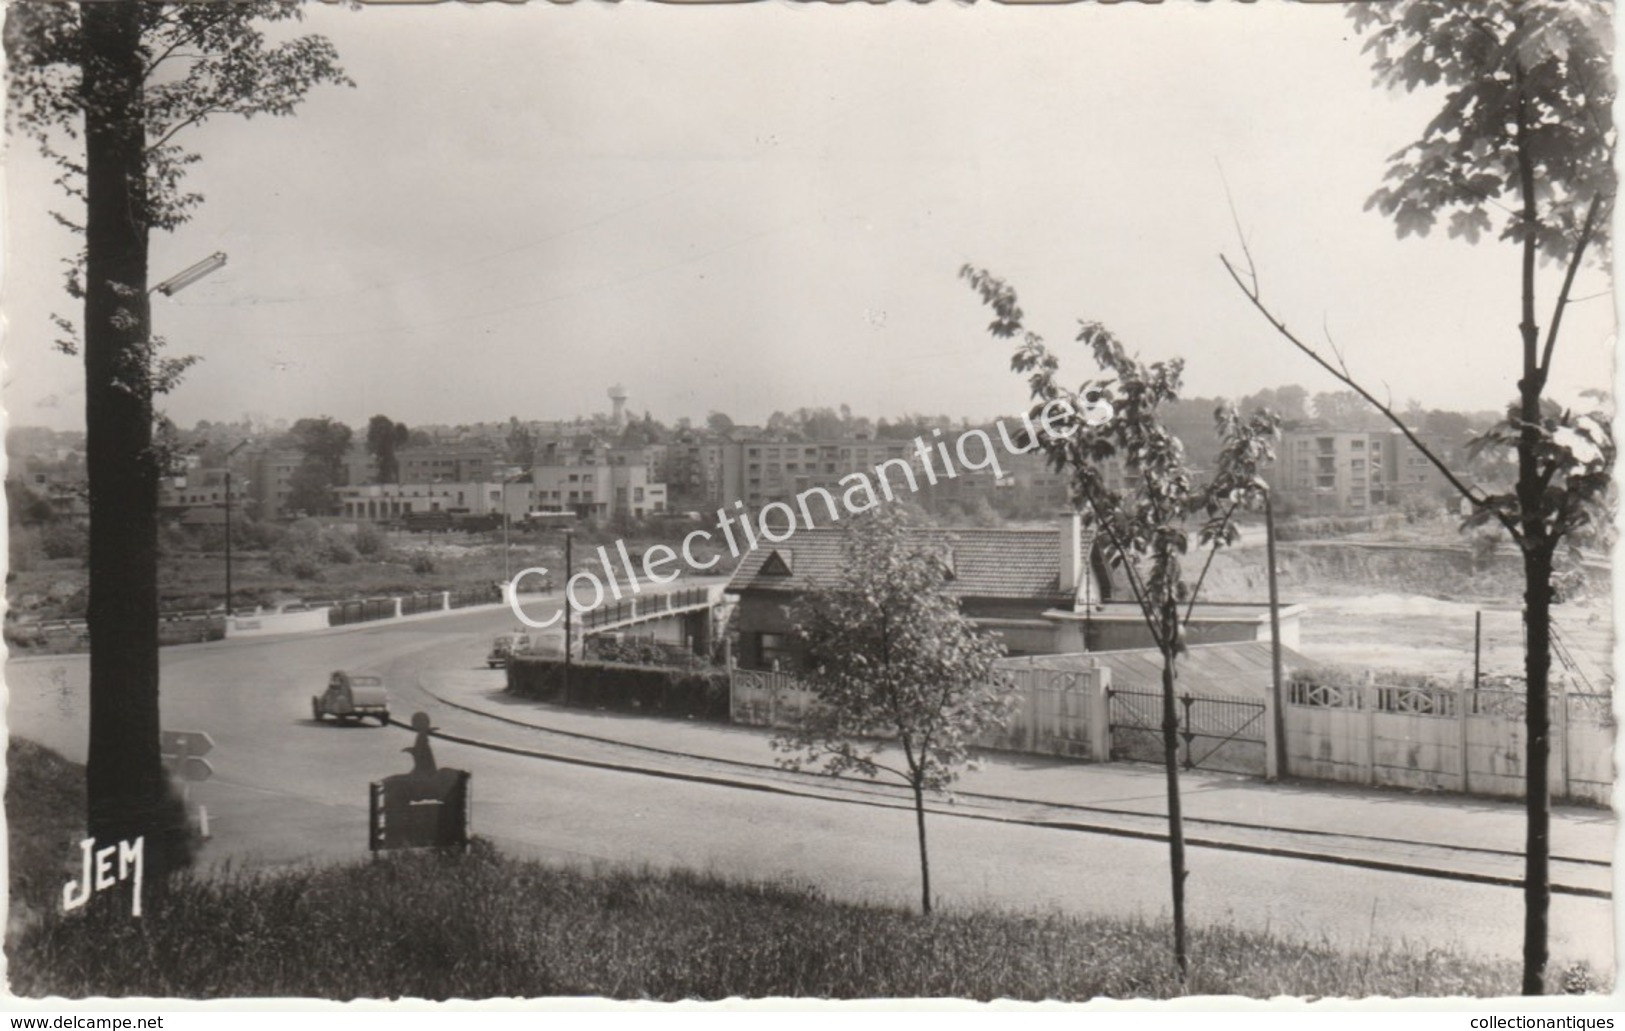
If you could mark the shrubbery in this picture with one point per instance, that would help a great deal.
(700, 692)
(308, 546)
(1315, 528)
(641, 652)
(64, 540)
(370, 541)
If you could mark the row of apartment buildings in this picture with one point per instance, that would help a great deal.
(1320, 471)
(588, 480)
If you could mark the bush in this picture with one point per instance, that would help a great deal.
(64, 540)
(302, 563)
(370, 542)
(25, 549)
(336, 548)
(641, 652)
(422, 562)
(700, 692)
(256, 535)
(1421, 508)
(307, 546)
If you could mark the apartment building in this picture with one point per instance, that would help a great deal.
(1333, 471)
(1348, 472)
(597, 481)
(270, 480)
(447, 464)
(203, 491)
(390, 501)
(759, 471)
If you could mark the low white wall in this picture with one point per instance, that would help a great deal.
(277, 623)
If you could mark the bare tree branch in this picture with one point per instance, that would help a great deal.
(1212, 551)
(1475, 499)
(1586, 232)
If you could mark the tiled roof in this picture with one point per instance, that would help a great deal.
(986, 563)
(1239, 669)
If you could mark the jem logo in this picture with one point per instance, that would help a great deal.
(98, 876)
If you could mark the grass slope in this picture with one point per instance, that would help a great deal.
(481, 925)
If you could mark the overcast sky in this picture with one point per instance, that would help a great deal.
(759, 207)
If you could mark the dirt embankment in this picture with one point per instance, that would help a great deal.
(1317, 568)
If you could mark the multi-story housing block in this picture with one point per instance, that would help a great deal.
(199, 496)
(1333, 471)
(389, 501)
(447, 464)
(596, 481)
(270, 480)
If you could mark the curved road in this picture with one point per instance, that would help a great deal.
(289, 790)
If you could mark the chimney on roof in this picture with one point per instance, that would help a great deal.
(1072, 552)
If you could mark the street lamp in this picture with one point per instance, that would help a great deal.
(233, 451)
(186, 278)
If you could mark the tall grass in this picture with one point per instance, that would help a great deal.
(481, 925)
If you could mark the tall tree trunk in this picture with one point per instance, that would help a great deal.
(1537, 891)
(1176, 823)
(125, 784)
(1537, 567)
(925, 862)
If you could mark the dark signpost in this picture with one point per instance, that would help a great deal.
(426, 808)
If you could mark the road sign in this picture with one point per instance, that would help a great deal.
(190, 768)
(185, 743)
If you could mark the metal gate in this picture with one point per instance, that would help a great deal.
(1224, 734)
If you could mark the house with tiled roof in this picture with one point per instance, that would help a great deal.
(1005, 579)
(1044, 591)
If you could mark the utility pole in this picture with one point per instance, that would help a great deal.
(569, 617)
(1275, 640)
(229, 607)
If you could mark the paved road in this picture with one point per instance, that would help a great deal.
(288, 790)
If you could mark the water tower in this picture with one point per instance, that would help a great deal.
(617, 394)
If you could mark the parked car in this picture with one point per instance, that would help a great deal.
(352, 696)
(505, 646)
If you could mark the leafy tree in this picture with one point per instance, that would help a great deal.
(1290, 402)
(1522, 149)
(107, 91)
(325, 443)
(1346, 410)
(521, 444)
(1146, 526)
(718, 422)
(894, 665)
(384, 437)
(25, 507)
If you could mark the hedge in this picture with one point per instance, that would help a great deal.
(701, 693)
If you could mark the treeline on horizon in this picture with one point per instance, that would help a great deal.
(1188, 417)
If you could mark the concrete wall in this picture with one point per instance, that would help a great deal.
(1445, 739)
(1056, 712)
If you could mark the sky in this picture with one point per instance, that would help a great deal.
(764, 206)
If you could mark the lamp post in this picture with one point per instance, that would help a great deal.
(233, 451)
